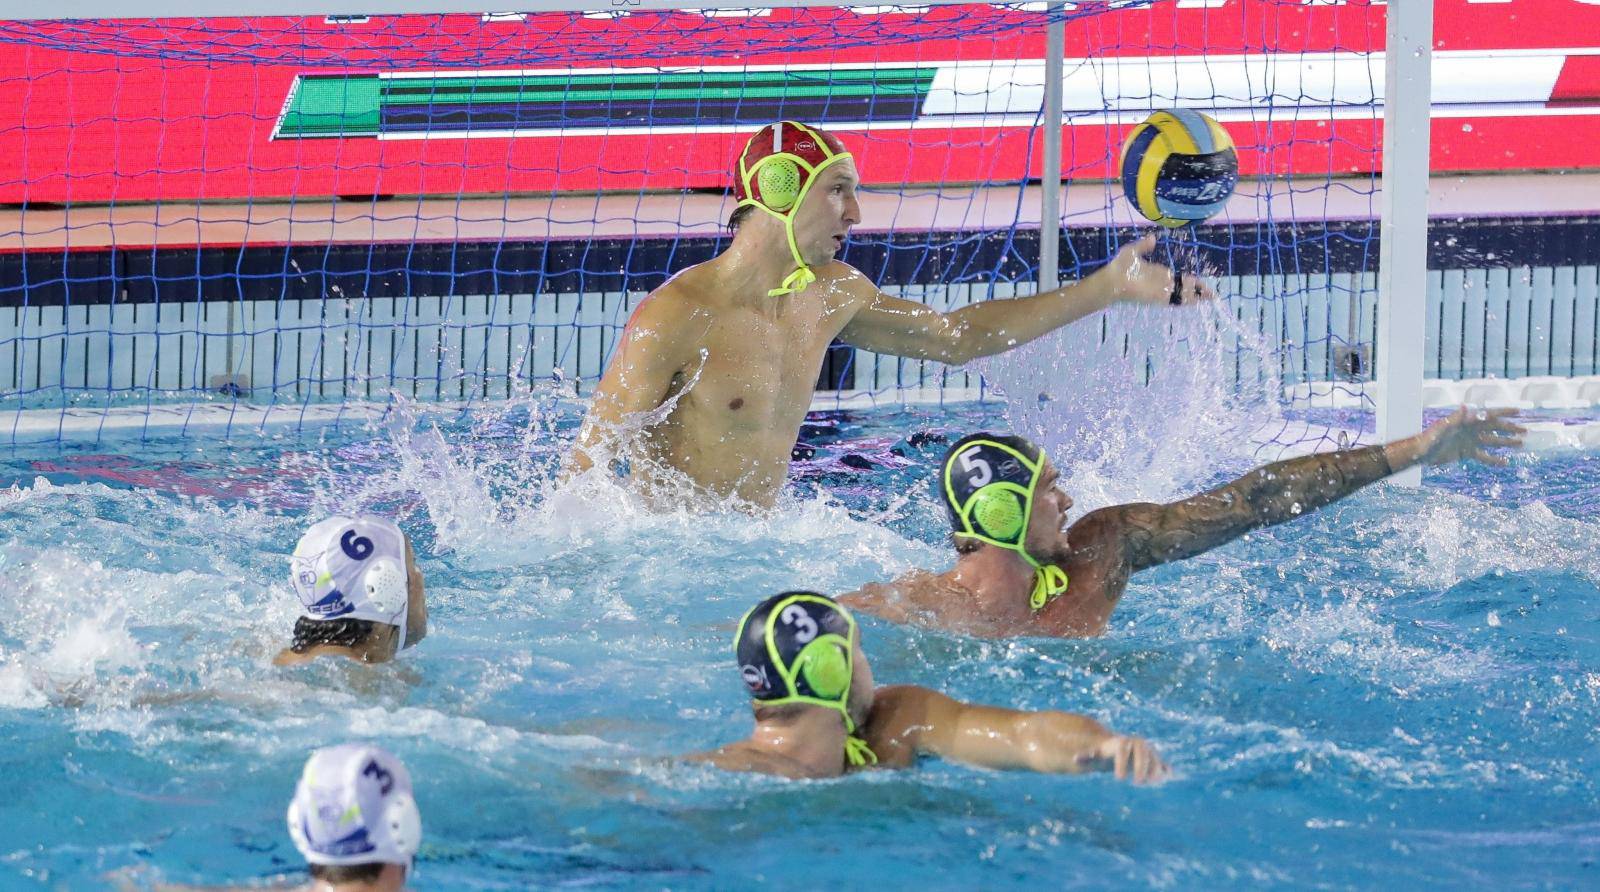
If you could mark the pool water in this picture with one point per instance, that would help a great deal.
(1400, 690)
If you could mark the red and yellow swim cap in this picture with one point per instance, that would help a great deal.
(759, 177)
(773, 173)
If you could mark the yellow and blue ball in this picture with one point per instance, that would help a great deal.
(1179, 167)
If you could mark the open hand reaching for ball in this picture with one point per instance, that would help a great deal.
(1133, 277)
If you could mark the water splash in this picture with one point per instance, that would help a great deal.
(1142, 403)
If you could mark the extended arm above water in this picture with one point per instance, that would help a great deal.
(907, 328)
(907, 720)
(1155, 534)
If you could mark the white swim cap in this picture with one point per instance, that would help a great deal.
(352, 568)
(353, 805)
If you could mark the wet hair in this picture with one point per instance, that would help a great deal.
(737, 217)
(347, 873)
(309, 633)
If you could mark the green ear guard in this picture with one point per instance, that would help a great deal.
(1000, 511)
(825, 667)
(779, 178)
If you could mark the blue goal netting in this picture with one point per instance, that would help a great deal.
(229, 217)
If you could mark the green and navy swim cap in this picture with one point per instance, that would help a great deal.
(798, 647)
(987, 483)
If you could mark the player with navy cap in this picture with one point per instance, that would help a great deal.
(729, 351)
(361, 594)
(818, 713)
(1022, 570)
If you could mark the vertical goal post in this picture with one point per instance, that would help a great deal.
(1403, 240)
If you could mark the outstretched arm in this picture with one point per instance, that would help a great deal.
(905, 328)
(907, 720)
(1155, 534)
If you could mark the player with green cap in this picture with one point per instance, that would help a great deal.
(818, 713)
(716, 368)
(1021, 570)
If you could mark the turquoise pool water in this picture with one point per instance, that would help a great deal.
(1400, 690)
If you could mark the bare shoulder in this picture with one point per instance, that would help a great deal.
(874, 597)
(846, 282)
(674, 301)
(895, 601)
(1105, 527)
(907, 700)
(667, 325)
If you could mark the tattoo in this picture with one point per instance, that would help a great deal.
(1269, 495)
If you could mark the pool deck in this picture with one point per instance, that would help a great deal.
(519, 218)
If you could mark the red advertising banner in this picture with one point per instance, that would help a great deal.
(269, 109)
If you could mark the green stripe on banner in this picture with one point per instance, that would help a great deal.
(332, 105)
(690, 78)
(351, 105)
(782, 92)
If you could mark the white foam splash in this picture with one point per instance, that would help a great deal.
(1122, 429)
(498, 507)
(1448, 538)
(85, 614)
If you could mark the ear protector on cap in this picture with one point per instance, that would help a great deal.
(389, 594)
(405, 824)
(386, 586)
(779, 178)
(999, 512)
(825, 666)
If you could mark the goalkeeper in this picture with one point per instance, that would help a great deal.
(715, 370)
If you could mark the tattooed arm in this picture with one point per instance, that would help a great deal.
(1156, 534)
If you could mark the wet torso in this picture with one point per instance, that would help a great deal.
(747, 383)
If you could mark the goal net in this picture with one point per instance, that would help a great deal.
(243, 214)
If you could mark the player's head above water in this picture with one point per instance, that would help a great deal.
(361, 594)
(353, 817)
(803, 181)
(1000, 490)
(804, 649)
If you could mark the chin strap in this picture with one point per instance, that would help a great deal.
(1049, 582)
(857, 753)
(794, 282)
